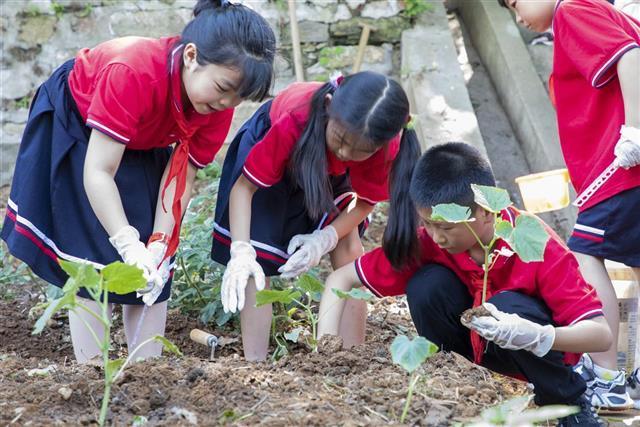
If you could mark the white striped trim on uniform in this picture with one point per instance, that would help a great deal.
(370, 201)
(173, 54)
(105, 129)
(195, 162)
(589, 229)
(253, 178)
(43, 237)
(608, 64)
(588, 313)
(260, 245)
(336, 201)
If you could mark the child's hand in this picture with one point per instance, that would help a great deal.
(134, 252)
(627, 149)
(307, 249)
(512, 332)
(158, 250)
(240, 267)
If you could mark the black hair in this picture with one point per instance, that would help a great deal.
(503, 3)
(236, 36)
(377, 108)
(445, 172)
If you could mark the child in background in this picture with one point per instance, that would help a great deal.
(596, 82)
(543, 312)
(94, 162)
(299, 181)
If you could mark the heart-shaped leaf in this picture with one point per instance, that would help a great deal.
(269, 296)
(410, 354)
(450, 212)
(529, 238)
(493, 199)
(121, 278)
(168, 345)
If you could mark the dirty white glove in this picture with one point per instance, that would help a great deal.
(133, 252)
(627, 149)
(308, 248)
(240, 267)
(158, 250)
(512, 332)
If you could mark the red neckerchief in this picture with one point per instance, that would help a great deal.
(180, 157)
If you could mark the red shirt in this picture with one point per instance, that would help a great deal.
(590, 37)
(123, 89)
(267, 162)
(556, 281)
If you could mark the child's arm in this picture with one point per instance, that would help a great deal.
(331, 306)
(240, 209)
(586, 336)
(351, 217)
(628, 75)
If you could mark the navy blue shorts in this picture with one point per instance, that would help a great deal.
(278, 212)
(48, 214)
(610, 229)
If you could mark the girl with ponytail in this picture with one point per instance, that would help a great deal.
(298, 182)
(96, 179)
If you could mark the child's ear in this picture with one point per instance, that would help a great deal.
(190, 56)
(483, 215)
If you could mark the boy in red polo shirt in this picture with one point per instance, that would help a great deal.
(596, 83)
(547, 313)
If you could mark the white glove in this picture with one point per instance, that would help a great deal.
(627, 149)
(158, 250)
(133, 252)
(308, 248)
(240, 267)
(512, 332)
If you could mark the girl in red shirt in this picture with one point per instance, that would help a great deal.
(298, 182)
(95, 169)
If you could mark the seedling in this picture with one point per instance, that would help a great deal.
(410, 354)
(118, 278)
(528, 239)
(514, 412)
(299, 315)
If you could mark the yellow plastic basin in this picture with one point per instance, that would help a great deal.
(545, 191)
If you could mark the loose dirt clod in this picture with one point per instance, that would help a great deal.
(479, 311)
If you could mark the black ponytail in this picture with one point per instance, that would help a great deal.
(235, 36)
(308, 165)
(400, 241)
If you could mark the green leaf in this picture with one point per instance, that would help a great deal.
(121, 278)
(529, 238)
(354, 293)
(168, 345)
(493, 199)
(410, 354)
(310, 284)
(68, 300)
(450, 212)
(80, 275)
(269, 296)
(504, 229)
(294, 334)
(499, 414)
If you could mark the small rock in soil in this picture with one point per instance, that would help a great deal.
(65, 392)
(157, 399)
(194, 374)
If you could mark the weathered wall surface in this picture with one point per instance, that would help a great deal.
(38, 35)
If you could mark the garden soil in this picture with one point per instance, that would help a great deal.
(360, 386)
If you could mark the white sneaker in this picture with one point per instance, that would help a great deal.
(609, 394)
(633, 387)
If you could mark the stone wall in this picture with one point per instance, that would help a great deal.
(38, 35)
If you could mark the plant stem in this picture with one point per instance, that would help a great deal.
(412, 384)
(105, 353)
(314, 321)
(485, 277)
(188, 279)
(130, 356)
(94, 314)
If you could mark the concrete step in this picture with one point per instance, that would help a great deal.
(435, 83)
